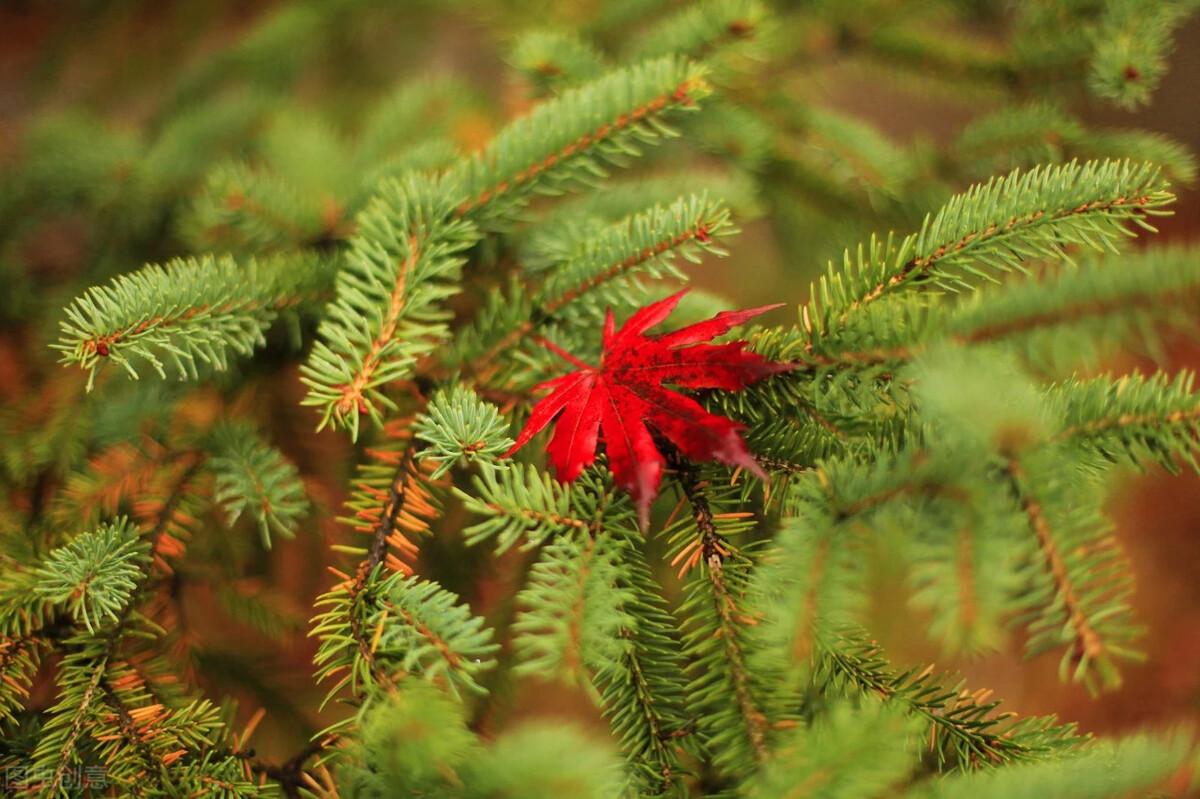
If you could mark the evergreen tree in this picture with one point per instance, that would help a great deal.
(414, 286)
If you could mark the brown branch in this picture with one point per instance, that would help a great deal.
(291, 774)
(81, 712)
(174, 498)
(128, 726)
(773, 464)
(966, 579)
(714, 551)
(394, 506)
(802, 641)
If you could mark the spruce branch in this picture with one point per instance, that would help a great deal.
(703, 28)
(732, 719)
(362, 612)
(571, 618)
(433, 635)
(994, 226)
(520, 502)
(907, 427)
(254, 477)
(965, 573)
(398, 625)
(392, 501)
(1079, 579)
(555, 59)
(644, 690)
(406, 257)
(643, 244)
(162, 534)
(967, 732)
(95, 575)
(1076, 315)
(20, 658)
(79, 683)
(458, 427)
(1132, 418)
(192, 311)
(601, 271)
(547, 760)
(403, 263)
(117, 474)
(1130, 49)
(807, 584)
(244, 209)
(1136, 765)
(569, 139)
(848, 752)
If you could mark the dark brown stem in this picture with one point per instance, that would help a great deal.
(714, 552)
(290, 774)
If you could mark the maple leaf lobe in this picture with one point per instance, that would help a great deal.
(623, 401)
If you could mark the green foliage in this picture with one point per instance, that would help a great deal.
(555, 58)
(933, 429)
(1041, 132)
(569, 140)
(727, 692)
(433, 635)
(703, 27)
(191, 312)
(601, 271)
(458, 427)
(1078, 581)
(1133, 418)
(404, 262)
(255, 478)
(992, 228)
(572, 609)
(375, 631)
(809, 585)
(1130, 44)
(252, 211)
(962, 726)
(850, 753)
(522, 502)
(1076, 315)
(545, 762)
(94, 576)
(415, 742)
(644, 691)
(1139, 764)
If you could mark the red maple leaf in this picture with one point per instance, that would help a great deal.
(623, 399)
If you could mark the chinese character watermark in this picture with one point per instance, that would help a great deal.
(70, 777)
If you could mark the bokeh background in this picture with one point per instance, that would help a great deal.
(130, 67)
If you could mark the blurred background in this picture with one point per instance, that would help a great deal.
(134, 131)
